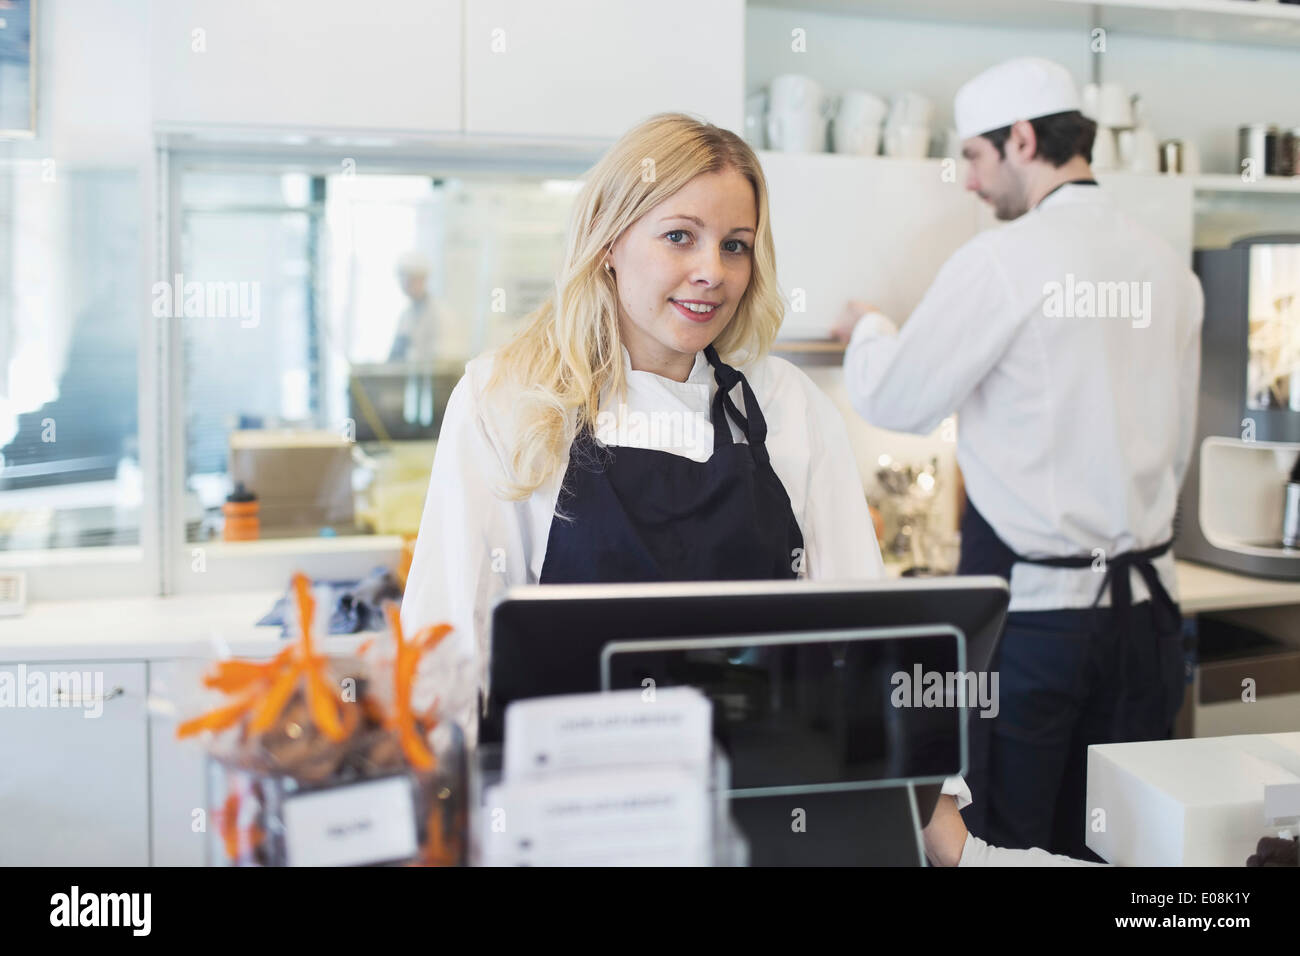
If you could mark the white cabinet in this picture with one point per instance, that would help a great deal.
(75, 767)
(177, 770)
(594, 68)
(850, 227)
(308, 64)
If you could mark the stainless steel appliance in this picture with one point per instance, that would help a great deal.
(1233, 502)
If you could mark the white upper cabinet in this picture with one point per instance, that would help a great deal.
(594, 68)
(308, 64)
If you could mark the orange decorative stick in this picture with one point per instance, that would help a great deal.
(267, 686)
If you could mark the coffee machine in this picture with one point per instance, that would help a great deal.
(1234, 508)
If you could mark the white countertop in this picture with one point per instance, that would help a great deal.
(1208, 589)
(141, 628)
(224, 624)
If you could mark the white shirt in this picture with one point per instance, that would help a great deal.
(473, 545)
(1074, 432)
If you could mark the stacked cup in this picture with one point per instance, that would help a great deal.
(796, 115)
(856, 128)
(907, 129)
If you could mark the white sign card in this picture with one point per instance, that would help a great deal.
(549, 735)
(352, 825)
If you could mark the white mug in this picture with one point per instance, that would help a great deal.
(859, 106)
(1104, 154)
(910, 109)
(1114, 108)
(907, 142)
(857, 140)
(794, 91)
(1091, 100)
(796, 131)
(1139, 151)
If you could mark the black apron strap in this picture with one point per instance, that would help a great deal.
(989, 554)
(753, 425)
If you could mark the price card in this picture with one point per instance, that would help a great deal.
(352, 825)
(653, 817)
(550, 735)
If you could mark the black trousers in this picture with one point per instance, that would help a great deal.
(1064, 683)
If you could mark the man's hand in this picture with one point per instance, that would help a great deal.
(853, 310)
(945, 835)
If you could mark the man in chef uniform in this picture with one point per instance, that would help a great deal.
(1068, 342)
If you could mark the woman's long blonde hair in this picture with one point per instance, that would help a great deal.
(569, 349)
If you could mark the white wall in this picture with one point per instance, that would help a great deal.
(92, 97)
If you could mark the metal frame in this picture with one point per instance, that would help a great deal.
(254, 565)
(807, 637)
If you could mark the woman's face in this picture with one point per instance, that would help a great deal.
(694, 248)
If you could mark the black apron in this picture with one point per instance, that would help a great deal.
(984, 552)
(636, 514)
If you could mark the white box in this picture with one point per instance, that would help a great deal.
(1196, 802)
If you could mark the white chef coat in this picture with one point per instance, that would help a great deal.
(1074, 433)
(473, 545)
(425, 333)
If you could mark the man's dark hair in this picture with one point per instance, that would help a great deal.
(1061, 137)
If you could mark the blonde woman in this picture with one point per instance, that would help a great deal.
(636, 429)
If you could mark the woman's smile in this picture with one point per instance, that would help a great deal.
(696, 310)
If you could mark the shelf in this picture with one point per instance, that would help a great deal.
(1269, 185)
(810, 353)
(1217, 21)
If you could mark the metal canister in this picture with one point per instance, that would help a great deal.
(1291, 516)
(1291, 151)
(1171, 156)
(1276, 159)
(1252, 148)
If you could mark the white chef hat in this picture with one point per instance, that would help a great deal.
(1021, 89)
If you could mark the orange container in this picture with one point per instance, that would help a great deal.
(241, 511)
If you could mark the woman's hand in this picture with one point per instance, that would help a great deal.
(945, 835)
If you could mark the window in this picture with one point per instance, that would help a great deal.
(70, 254)
(326, 314)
